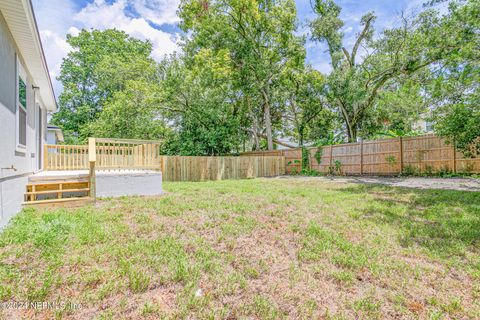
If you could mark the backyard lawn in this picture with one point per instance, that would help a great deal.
(262, 249)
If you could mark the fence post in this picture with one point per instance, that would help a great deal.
(400, 139)
(361, 157)
(92, 158)
(309, 159)
(454, 156)
(331, 158)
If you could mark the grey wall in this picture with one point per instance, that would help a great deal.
(117, 184)
(51, 137)
(13, 188)
(11, 194)
(7, 67)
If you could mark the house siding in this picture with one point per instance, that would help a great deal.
(51, 137)
(7, 67)
(12, 183)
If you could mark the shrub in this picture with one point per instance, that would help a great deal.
(319, 154)
(305, 159)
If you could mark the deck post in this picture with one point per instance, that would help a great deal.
(92, 158)
(45, 165)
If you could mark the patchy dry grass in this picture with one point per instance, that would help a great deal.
(263, 249)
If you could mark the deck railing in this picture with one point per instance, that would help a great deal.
(65, 157)
(123, 153)
(110, 154)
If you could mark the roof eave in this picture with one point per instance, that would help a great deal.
(21, 21)
(52, 105)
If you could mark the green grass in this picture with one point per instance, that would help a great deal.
(264, 248)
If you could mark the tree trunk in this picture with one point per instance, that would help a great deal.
(299, 125)
(268, 121)
(351, 127)
(352, 133)
(255, 135)
(300, 135)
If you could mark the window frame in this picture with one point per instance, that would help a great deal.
(20, 75)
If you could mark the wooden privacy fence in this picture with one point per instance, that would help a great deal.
(422, 154)
(178, 168)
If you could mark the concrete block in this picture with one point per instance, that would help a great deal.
(128, 183)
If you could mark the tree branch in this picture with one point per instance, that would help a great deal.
(347, 55)
(362, 36)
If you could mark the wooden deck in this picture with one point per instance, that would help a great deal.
(58, 188)
(62, 175)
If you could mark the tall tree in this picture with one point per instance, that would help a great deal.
(356, 81)
(308, 117)
(200, 105)
(399, 108)
(259, 37)
(454, 90)
(100, 64)
(132, 113)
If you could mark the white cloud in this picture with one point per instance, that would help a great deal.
(73, 31)
(102, 15)
(57, 18)
(157, 11)
(53, 29)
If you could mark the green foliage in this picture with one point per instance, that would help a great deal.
(460, 123)
(242, 80)
(304, 92)
(99, 65)
(310, 172)
(392, 160)
(259, 39)
(197, 101)
(454, 89)
(305, 158)
(132, 114)
(319, 154)
(409, 170)
(338, 166)
(393, 58)
(400, 106)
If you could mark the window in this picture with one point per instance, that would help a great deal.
(21, 107)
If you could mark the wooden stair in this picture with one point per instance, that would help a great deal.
(58, 192)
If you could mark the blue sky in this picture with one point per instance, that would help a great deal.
(157, 20)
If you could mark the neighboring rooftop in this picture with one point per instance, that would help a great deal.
(57, 130)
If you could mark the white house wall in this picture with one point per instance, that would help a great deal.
(13, 182)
